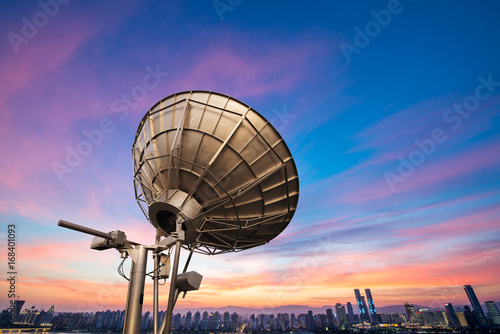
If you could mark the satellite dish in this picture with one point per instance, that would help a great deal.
(212, 175)
(217, 167)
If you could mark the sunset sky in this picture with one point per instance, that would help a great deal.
(390, 109)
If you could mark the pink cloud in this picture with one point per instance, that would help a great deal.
(250, 72)
(32, 138)
(398, 131)
(430, 173)
(29, 167)
(72, 294)
(484, 220)
(420, 283)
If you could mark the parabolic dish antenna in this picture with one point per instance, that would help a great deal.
(213, 176)
(218, 167)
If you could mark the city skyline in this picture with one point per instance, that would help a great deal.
(393, 125)
(275, 320)
(303, 308)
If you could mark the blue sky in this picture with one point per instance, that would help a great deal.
(396, 143)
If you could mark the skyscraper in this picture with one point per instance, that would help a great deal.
(18, 305)
(234, 321)
(341, 314)
(253, 322)
(226, 320)
(144, 321)
(176, 321)
(472, 320)
(411, 313)
(478, 310)
(48, 316)
(371, 305)
(362, 309)
(204, 321)
(350, 313)
(188, 325)
(493, 311)
(310, 321)
(329, 317)
(452, 315)
(196, 322)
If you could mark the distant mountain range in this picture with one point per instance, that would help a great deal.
(300, 309)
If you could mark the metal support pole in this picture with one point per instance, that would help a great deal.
(89, 230)
(172, 296)
(135, 294)
(84, 229)
(155, 292)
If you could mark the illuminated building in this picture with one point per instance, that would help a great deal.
(362, 309)
(371, 305)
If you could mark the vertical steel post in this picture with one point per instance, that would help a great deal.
(155, 292)
(172, 296)
(135, 296)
